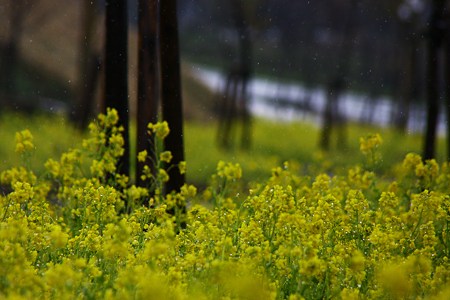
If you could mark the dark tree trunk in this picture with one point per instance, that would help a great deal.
(171, 97)
(434, 41)
(228, 109)
(332, 118)
(89, 66)
(147, 104)
(408, 84)
(116, 70)
(432, 105)
(234, 101)
(243, 31)
(327, 123)
(447, 79)
(245, 62)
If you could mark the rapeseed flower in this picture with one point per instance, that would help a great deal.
(160, 129)
(142, 156)
(24, 141)
(370, 143)
(165, 156)
(67, 234)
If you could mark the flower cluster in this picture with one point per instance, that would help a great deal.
(67, 234)
(369, 146)
(24, 141)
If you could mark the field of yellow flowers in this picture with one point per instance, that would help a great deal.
(82, 231)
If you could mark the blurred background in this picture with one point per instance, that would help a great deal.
(372, 52)
(328, 64)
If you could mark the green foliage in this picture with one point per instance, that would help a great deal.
(65, 234)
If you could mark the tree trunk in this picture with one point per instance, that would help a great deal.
(245, 68)
(171, 97)
(116, 70)
(228, 109)
(447, 83)
(147, 104)
(334, 119)
(434, 40)
(408, 84)
(235, 97)
(331, 114)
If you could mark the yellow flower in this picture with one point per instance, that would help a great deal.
(313, 267)
(182, 167)
(136, 193)
(24, 141)
(394, 279)
(111, 118)
(411, 161)
(161, 129)
(370, 143)
(228, 170)
(142, 156)
(165, 156)
(53, 167)
(57, 237)
(188, 190)
(420, 170)
(163, 175)
(291, 236)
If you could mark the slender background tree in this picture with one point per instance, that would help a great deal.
(171, 97)
(446, 18)
(116, 70)
(148, 75)
(435, 35)
(333, 119)
(234, 99)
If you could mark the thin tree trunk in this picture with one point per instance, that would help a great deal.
(227, 109)
(116, 70)
(245, 70)
(171, 97)
(432, 82)
(408, 88)
(246, 117)
(331, 114)
(147, 104)
(447, 83)
(338, 82)
(432, 104)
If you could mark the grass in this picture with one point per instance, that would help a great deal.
(272, 144)
(52, 134)
(275, 142)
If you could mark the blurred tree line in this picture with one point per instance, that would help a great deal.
(395, 48)
(298, 39)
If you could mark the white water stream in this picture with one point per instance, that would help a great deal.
(278, 100)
